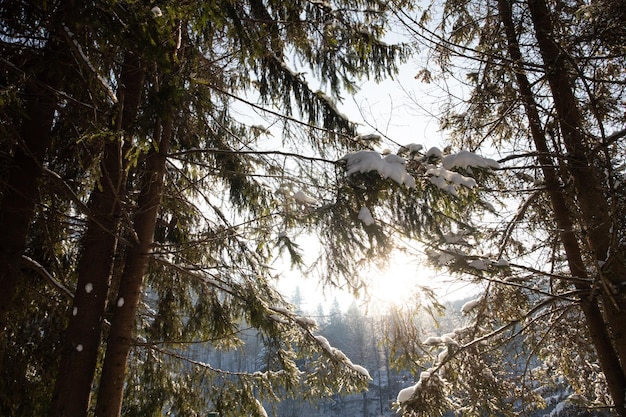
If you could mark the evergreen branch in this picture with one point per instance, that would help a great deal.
(205, 365)
(80, 205)
(278, 114)
(253, 152)
(211, 281)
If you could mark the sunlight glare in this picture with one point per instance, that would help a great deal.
(398, 283)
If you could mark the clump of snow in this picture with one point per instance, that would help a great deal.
(306, 321)
(577, 399)
(442, 355)
(156, 11)
(434, 152)
(365, 215)
(479, 264)
(407, 393)
(279, 319)
(414, 147)
(452, 177)
(470, 305)
(302, 197)
(283, 316)
(443, 185)
(449, 339)
(466, 159)
(392, 158)
(281, 310)
(260, 408)
(340, 356)
(449, 181)
(79, 347)
(88, 287)
(120, 301)
(371, 137)
(361, 370)
(432, 341)
(391, 166)
(74, 311)
(324, 342)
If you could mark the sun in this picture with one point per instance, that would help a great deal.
(399, 281)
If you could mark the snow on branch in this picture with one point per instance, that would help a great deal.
(471, 305)
(338, 355)
(466, 159)
(86, 60)
(394, 166)
(391, 166)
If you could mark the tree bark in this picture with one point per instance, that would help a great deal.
(111, 389)
(594, 207)
(83, 334)
(597, 327)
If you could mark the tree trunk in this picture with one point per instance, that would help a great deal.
(111, 389)
(83, 335)
(609, 360)
(587, 172)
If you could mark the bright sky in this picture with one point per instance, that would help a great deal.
(402, 110)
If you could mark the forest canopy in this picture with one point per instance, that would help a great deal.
(141, 210)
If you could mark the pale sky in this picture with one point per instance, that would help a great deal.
(399, 109)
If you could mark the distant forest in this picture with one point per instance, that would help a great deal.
(361, 336)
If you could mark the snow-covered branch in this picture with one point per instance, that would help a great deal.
(85, 59)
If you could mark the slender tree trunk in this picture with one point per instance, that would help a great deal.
(83, 335)
(609, 360)
(587, 172)
(111, 389)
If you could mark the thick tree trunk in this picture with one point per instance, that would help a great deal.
(83, 335)
(594, 207)
(596, 325)
(111, 389)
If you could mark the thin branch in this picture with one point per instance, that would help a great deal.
(47, 276)
(85, 59)
(230, 151)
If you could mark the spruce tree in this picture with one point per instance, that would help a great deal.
(539, 88)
